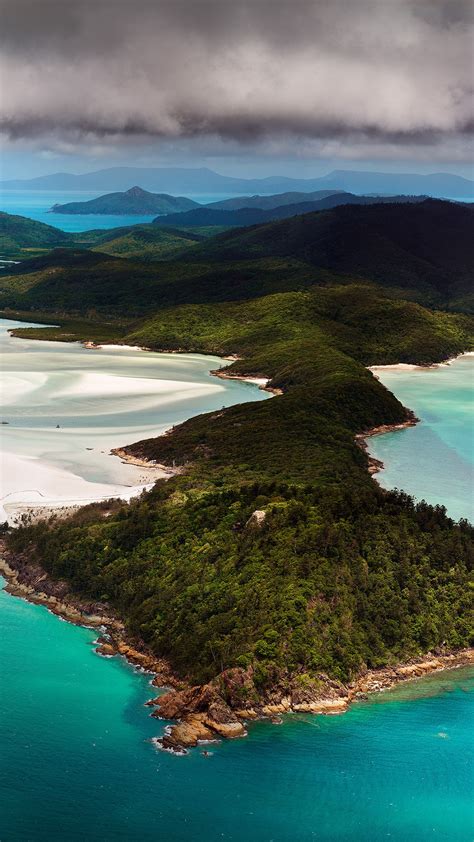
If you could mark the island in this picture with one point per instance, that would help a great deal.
(133, 202)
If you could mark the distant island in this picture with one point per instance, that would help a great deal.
(134, 201)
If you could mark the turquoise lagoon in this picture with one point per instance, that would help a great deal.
(78, 759)
(434, 460)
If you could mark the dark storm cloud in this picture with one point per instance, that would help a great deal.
(389, 71)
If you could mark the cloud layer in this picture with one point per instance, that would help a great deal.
(371, 72)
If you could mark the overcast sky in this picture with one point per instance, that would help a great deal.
(253, 87)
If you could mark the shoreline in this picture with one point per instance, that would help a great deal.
(416, 366)
(261, 382)
(24, 582)
(375, 465)
(201, 713)
(222, 373)
(139, 462)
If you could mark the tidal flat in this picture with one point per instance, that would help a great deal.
(65, 407)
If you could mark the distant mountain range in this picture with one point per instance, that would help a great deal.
(205, 181)
(268, 202)
(134, 201)
(212, 215)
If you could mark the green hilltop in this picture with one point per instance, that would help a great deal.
(134, 201)
(340, 575)
(19, 235)
(21, 238)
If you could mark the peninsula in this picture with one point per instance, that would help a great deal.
(273, 554)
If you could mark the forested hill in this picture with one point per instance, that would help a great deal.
(424, 250)
(392, 243)
(21, 238)
(275, 201)
(133, 201)
(335, 574)
(18, 232)
(221, 216)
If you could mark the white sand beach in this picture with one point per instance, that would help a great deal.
(65, 408)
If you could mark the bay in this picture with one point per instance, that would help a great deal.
(434, 460)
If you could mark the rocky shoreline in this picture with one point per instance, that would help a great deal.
(29, 581)
(376, 465)
(222, 708)
(164, 471)
(261, 382)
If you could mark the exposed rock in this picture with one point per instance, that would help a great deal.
(246, 713)
(256, 519)
(419, 669)
(322, 706)
(178, 703)
(106, 649)
(228, 730)
(237, 687)
(147, 662)
(187, 733)
(220, 713)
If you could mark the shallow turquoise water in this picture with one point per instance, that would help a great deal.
(37, 203)
(77, 761)
(434, 460)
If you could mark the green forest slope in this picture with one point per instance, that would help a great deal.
(21, 238)
(424, 250)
